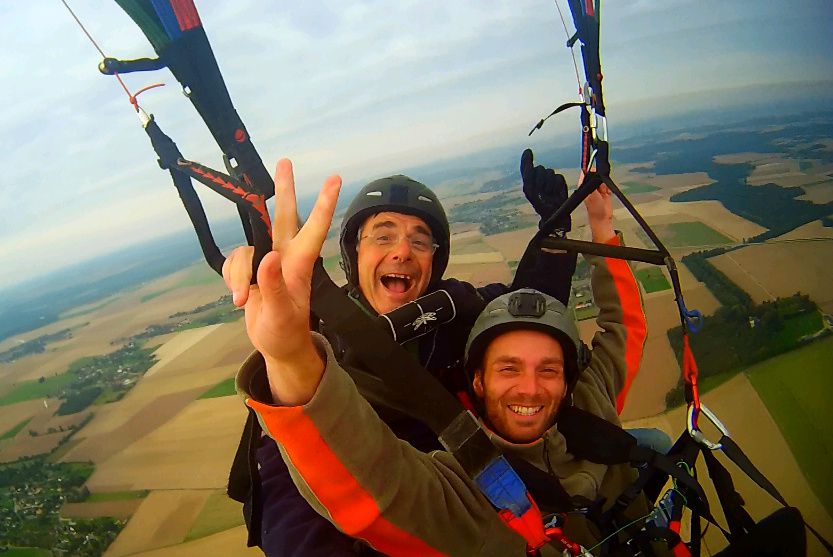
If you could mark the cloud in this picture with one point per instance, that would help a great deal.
(359, 87)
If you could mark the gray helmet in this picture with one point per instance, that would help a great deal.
(529, 309)
(397, 194)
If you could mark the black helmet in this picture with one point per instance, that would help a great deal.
(529, 309)
(396, 194)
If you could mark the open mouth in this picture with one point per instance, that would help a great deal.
(397, 282)
(525, 410)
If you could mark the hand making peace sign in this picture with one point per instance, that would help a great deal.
(278, 306)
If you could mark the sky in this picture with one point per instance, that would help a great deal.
(358, 88)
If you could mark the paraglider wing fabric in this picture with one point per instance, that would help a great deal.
(175, 31)
(586, 19)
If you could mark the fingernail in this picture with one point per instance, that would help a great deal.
(235, 296)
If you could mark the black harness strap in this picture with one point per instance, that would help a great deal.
(736, 455)
(407, 386)
(737, 517)
(584, 433)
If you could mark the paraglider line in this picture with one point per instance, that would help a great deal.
(572, 50)
(98, 48)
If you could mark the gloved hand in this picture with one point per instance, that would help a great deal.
(545, 189)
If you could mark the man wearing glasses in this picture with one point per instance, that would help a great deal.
(395, 244)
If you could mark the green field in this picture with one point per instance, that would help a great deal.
(801, 325)
(796, 389)
(224, 388)
(687, 234)
(34, 389)
(116, 496)
(638, 187)
(15, 430)
(652, 279)
(219, 513)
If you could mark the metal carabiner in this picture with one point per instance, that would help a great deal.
(698, 435)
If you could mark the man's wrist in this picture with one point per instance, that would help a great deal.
(602, 230)
(293, 380)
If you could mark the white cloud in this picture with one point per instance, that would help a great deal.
(359, 87)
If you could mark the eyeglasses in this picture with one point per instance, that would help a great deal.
(419, 242)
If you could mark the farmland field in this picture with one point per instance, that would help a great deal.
(638, 187)
(689, 234)
(795, 388)
(652, 279)
(224, 388)
(35, 389)
(779, 270)
(218, 514)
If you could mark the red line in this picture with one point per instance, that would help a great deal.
(352, 508)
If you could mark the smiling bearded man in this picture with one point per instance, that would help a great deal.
(395, 242)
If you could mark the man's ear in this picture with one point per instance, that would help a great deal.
(477, 383)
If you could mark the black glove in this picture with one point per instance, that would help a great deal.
(544, 189)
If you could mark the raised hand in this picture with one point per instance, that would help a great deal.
(278, 306)
(599, 205)
(545, 189)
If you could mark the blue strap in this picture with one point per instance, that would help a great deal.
(503, 487)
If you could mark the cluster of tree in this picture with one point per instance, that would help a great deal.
(738, 336)
(726, 291)
(221, 311)
(222, 301)
(494, 215)
(500, 184)
(34, 346)
(77, 400)
(774, 207)
(93, 375)
(32, 492)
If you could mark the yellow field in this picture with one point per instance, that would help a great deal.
(810, 230)
(231, 543)
(117, 509)
(820, 193)
(622, 173)
(511, 244)
(161, 520)
(118, 425)
(779, 270)
(713, 213)
(157, 398)
(13, 414)
(178, 344)
(23, 445)
(193, 450)
(476, 258)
